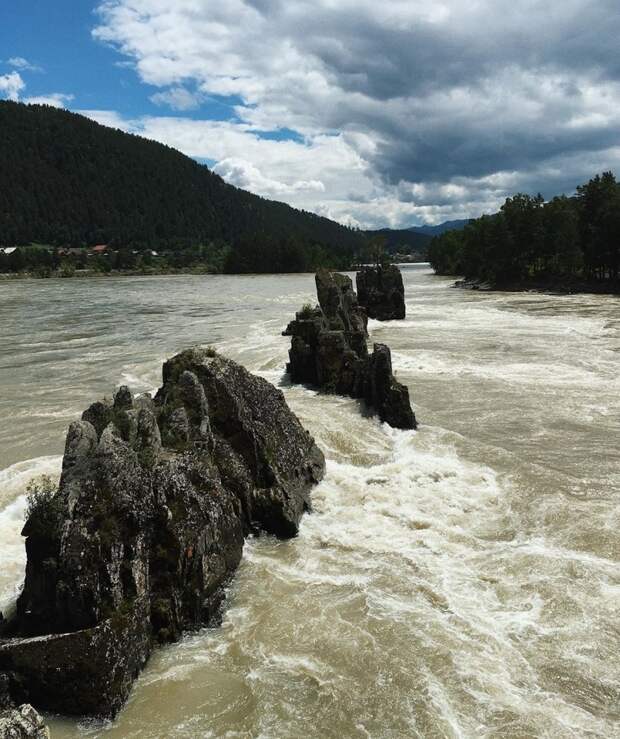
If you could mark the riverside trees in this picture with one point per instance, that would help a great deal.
(577, 237)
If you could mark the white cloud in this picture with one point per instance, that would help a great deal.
(23, 64)
(56, 99)
(408, 109)
(11, 85)
(112, 119)
(178, 98)
(244, 174)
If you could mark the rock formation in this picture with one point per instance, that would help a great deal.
(329, 350)
(147, 527)
(380, 290)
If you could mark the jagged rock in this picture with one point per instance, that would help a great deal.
(123, 400)
(22, 723)
(329, 350)
(147, 527)
(339, 303)
(385, 393)
(252, 416)
(99, 415)
(380, 290)
(18, 722)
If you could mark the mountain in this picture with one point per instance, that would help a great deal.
(415, 238)
(440, 228)
(402, 240)
(66, 180)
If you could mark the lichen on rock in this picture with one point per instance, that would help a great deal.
(19, 722)
(22, 723)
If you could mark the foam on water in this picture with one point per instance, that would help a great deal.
(13, 483)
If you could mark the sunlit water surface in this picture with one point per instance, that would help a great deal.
(461, 581)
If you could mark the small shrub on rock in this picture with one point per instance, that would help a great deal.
(43, 509)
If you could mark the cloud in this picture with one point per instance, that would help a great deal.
(23, 64)
(444, 107)
(178, 98)
(55, 99)
(11, 85)
(244, 174)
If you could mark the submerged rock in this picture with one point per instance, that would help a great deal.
(381, 291)
(147, 527)
(329, 350)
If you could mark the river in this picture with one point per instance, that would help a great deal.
(457, 581)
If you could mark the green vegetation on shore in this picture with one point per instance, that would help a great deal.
(565, 240)
(48, 261)
(213, 258)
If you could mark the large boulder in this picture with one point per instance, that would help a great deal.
(147, 527)
(329, 350)
(381, 292)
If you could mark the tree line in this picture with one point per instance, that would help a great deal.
(567, 238)
(253, 256)
(68, 181)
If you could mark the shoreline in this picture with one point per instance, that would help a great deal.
(550, 287)
(91, 274)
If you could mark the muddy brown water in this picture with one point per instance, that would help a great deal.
(461, 581)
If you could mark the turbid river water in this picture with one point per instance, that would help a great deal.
(461, 581)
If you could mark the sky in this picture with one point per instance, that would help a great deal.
(372, 112)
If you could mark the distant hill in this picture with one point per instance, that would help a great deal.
(402, 240)
(440, 228)
(66, 180)
(415, 238)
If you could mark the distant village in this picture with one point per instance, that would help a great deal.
(39, 260)
(78, 251)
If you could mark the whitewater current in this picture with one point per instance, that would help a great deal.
(457, 581)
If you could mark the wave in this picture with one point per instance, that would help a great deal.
(13, 483)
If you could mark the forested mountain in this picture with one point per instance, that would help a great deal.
(401, 240)
(66, 180)
(440, 228)
(565, 239)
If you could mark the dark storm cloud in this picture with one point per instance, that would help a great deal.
(439, 99)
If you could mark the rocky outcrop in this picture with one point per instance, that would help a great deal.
(155, 499)
(329, 350)
(380, 290)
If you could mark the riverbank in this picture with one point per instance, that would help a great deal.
(81, 274)
(551, 286)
